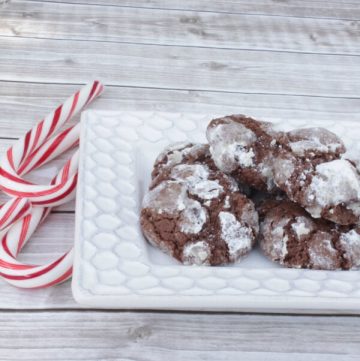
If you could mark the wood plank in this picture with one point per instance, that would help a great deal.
(161, 336)
(57, 297)
(113, 354)
(21, 104)
(51, 239)
(335, 9)
(174, 67)
(185, 28)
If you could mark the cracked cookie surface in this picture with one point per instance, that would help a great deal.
(194, 212)
(305, 163)
(291, 237)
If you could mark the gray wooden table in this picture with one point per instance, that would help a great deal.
(269, 59)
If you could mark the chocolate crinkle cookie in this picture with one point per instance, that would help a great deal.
(306, 164)
(240, 146)
(194, 212)
(291, 237)
(178, 153)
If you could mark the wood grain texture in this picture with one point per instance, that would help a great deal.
(51, 239)
(154, 66)
(177, 27)
(21, 104)
(162, 336)
(190, 68)
(335, 9)
(13, 299)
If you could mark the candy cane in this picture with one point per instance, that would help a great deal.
(13, 210)
(37, 147)
(20, 217)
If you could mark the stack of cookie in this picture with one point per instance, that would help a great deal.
(293, 191)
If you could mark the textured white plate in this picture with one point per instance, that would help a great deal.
(115, 267)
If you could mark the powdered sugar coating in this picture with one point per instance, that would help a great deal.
(196, 177)
(168, 197)
(176, 152)
(231, 145)
(322, 253)
(197, 253)
(172, 154)
(301, 226)
(191, 173)
(282, 170)
(353, 154)
(267, 172)
(249, 216)
(171, 198)
(354, 207)
(193, 217)
(333, 183)
(350, 242)
(227, 202)
(244, 157)
(234, 186)
(276, 249)
(237, 236)
(312, 141)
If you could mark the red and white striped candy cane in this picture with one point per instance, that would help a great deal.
(20, 217)
(13, 210)
(15, 237)
(39, 146)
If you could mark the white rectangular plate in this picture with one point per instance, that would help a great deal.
(116, 268)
